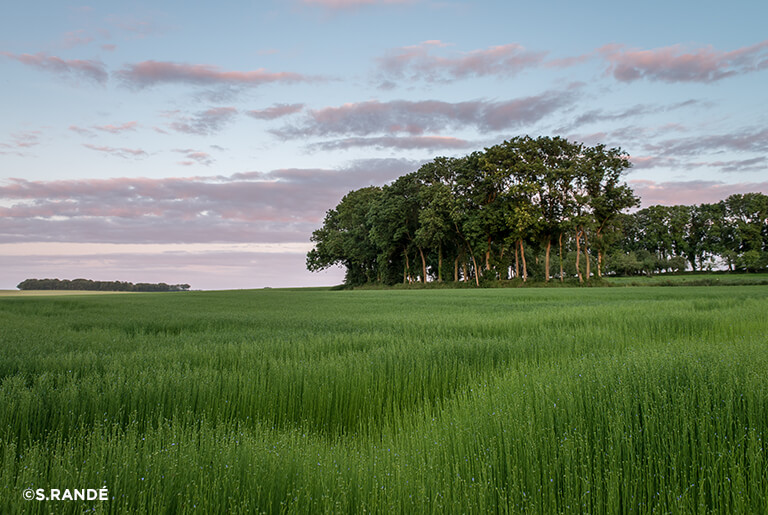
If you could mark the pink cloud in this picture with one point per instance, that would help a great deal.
(195, 156)
(125, 153)
(244, 207)
(109, 47)
(20, 141)
(746, 148)
(275, 111)
(417, 117)
(117, 129)
(151, 73)
(25, 139)
(110, 128)
(638, 110)
(420, 62)
(645, 162)
(690, 192)
(675, 64)
(745, 140)
(734, 165)
(88, 69)
(82, 131)
(404, 143)
(738, 165)
(205, 122)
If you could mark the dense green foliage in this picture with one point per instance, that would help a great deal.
(90, 285)
(504, 212)
(611, 400)
(479, 212)
(732, 232)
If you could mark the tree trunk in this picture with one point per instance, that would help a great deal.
(456, 269)
(506, 269)
(477, 275)
(546, 260)
(488, 254)
(407, 266)
(440, 263)
(599, 264)
(586, 255)
(472, 255)
(464, 271)
(423, 267)
(599, 236)
(578, 256)
(517, 261)
(561, 258)
(522, 256)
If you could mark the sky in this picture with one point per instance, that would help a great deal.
(202, 142)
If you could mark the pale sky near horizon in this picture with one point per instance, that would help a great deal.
(197, 143)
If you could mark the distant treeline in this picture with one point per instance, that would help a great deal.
(87, 284)
(730, 234)
(511, 210)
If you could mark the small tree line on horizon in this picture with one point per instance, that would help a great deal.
(90, 285)
(502, 213)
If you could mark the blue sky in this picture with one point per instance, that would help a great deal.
(203, 143)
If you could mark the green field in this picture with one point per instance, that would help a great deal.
(55, 293)
(692, 279)
(598, 400)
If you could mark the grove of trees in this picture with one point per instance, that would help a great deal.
(88, 284)
(544, 209)
(732, 233)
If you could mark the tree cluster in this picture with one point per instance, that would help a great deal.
(732, 233)
(87, 284)
(490, 215)
(497, 214)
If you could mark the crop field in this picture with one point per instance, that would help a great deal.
(591, 400)
(56, 293)
(696, 279)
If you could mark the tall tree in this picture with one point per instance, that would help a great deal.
(606, 195)
(441, 217)
(511, 183)
(746, 216)
(394, 220)
(344, 239)
(468, 201)
(554, 170)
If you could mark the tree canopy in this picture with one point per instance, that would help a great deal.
(497, 214)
